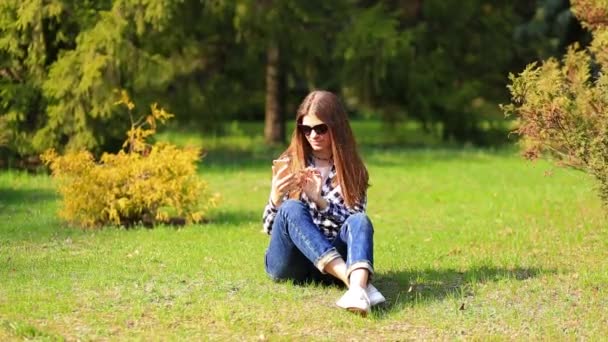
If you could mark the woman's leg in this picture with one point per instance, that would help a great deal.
(296, 243)
(357, 238)
(337, 268)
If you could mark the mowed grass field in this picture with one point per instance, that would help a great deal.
(469, 244)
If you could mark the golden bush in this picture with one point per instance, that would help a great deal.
(143, 183)
(562, 105)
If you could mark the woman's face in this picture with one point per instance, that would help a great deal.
(318, 137)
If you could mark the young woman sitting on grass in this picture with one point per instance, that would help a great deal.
(316, 210)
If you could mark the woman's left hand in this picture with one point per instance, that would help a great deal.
(312, 184)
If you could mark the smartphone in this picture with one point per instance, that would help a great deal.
(279, 164)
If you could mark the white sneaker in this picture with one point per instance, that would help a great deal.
(375, 297)
(355, 300)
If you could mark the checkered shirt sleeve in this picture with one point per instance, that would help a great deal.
(270, 212)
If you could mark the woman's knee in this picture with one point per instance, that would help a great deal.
(360, 221)
(291, 205)
(276, 276)
(287, 209)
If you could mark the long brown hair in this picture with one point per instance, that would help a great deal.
(351, 173)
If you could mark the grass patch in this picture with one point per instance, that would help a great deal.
(471, 244)
(27, 332)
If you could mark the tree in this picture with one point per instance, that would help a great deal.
(61, 60)
(374, 54)
(562, 107)
(293, 37)
(461, 51)
(274, 127)
(437, 62)
(206, 61)
(32, 34)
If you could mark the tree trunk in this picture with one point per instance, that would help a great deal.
(274, 127)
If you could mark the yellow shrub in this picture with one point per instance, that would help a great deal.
(141, 184)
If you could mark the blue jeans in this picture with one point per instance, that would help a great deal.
(299, 251)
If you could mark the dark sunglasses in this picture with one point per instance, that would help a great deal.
(319, 129)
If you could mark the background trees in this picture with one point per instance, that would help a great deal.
(441, 63)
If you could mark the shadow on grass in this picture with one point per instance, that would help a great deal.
(240, 144)
(234, 217)
(413, 155)
(240, 158)
(409, 287)
(24, 198)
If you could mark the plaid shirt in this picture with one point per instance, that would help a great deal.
(330, 220)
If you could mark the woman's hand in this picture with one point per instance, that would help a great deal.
(282, 183)
(312, 184)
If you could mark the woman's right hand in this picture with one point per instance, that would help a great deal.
(282, 183)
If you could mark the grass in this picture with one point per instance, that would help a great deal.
(471, 244)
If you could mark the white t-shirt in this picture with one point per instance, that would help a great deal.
(324, 171)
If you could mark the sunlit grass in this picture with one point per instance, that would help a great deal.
(469, 244)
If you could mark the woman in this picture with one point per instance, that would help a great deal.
(316, 210)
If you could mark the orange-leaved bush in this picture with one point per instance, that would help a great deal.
(562, 106)
(143, 183)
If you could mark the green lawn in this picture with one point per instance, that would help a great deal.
(469, 244)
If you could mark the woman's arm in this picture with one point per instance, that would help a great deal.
(282, 183)
(270, 212)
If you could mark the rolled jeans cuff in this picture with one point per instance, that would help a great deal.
(360, 264)
(326, 258)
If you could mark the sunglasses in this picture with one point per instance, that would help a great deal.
(319, 129)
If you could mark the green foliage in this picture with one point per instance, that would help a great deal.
(61, 60)
(32, 34)
(460, 50)
(142, 184)
(81, 81)
(375, 56)
(4, 131)
(441, 65)
(562, 107)
(438, 62)
(549, 30)
(23, 55)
